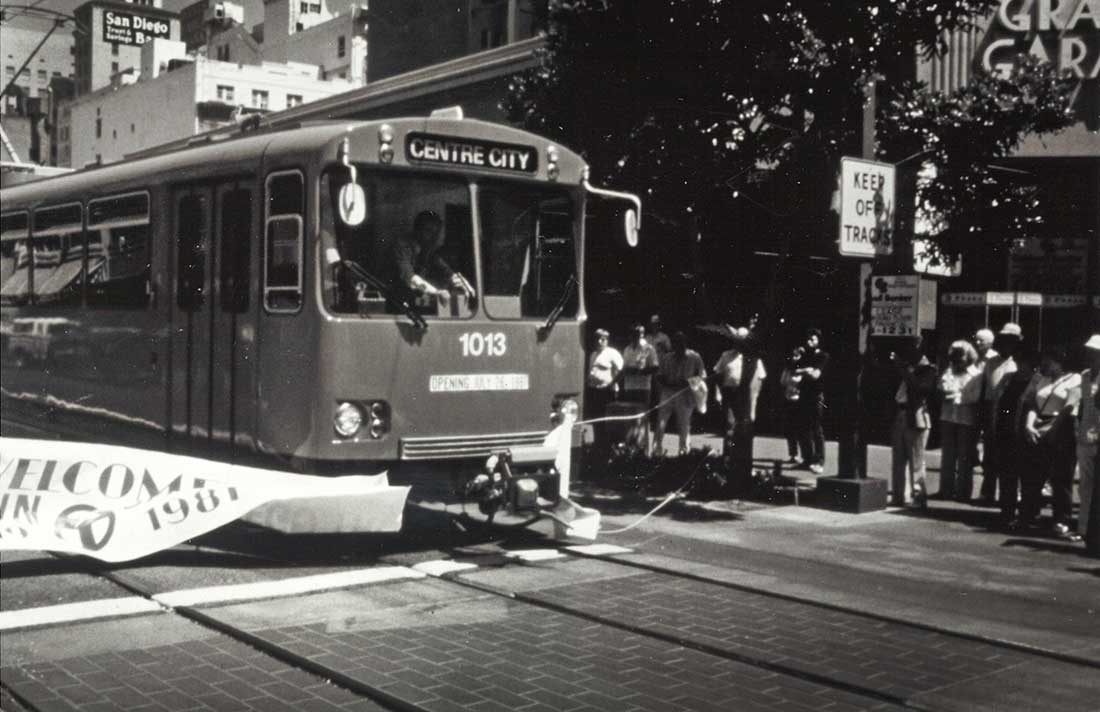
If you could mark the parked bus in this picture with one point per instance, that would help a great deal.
(244, 300)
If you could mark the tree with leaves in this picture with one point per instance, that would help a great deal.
(728, 114)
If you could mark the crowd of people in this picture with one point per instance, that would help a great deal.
(1036, 420)
(1026, 418)
(661, 374)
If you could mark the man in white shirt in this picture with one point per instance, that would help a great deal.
(1049, 402)
(996, 371)
(680, 370)
(639, 364)
(739, 375)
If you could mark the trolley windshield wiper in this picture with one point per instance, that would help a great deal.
(387, 291)
(555, 313)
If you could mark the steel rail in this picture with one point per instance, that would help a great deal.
(1015, 646)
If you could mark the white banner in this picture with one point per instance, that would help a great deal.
(117, 503)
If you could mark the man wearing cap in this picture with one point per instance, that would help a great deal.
(1088, 432)
(999, 367)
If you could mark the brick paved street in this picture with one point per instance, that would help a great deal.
(480, 652)
(203, 671)
(891, 659)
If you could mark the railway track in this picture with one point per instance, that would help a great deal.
(799, 646)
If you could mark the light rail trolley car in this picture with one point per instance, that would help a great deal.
(242, 300)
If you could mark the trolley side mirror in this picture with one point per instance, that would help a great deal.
(630, 227)
(632, 220)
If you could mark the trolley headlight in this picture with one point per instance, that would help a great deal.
(563, 408)
(347, 420)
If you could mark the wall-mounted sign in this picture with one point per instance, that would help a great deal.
(964, 299)
(895, 301)
(131, 28)
(866, 208)
(471, 153)
(1066, 34)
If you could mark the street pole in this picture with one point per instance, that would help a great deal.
(852, 445)
(1092, 533)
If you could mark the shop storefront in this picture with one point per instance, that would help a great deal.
(1050, 286)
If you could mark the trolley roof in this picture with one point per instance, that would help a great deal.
(316, 141)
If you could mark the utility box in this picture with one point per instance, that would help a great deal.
(850, 495)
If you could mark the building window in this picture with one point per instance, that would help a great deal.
(114, 67)
(293, 100)
(10, 70)
(114, 49)
(225, 93)
(131, 128)
(341, 46)
(223, 53)
(98, 127)
(259, 98)
(56, 74)
(343, 75)
(42, 75)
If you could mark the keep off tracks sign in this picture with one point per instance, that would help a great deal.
(867, 199)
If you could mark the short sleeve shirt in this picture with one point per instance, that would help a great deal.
(603, 366)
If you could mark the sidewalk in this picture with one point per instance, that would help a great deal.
(949, 565)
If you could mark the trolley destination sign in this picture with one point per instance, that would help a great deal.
(470, 153)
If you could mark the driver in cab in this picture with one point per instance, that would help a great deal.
(416, 254)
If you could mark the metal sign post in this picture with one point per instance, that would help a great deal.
(866, 231)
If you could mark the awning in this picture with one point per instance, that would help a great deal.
(16, 284)
(62, 278)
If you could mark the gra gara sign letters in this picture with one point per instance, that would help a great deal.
(1063, 32)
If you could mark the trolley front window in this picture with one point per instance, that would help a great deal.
(528, 250)
(411, 253)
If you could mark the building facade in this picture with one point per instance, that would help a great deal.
(192, 95)
(54, 59)
(116, 33)
(1050, 285)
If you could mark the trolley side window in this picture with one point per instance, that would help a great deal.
(15, 257)
(58, 254)
(284, 242)
(119, 252)
(192, 241)
(236, 233)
